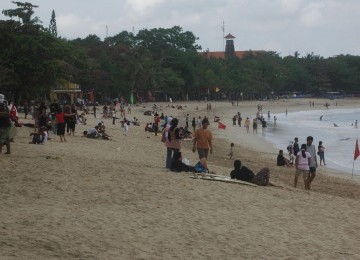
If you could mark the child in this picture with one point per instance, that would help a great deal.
(39, 138)
(126, 127)
(231, 151)
(113, 115)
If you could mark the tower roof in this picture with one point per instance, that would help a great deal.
(229, 36)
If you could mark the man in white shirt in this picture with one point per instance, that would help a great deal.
(92, 132)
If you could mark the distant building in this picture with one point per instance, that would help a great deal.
(230, 50)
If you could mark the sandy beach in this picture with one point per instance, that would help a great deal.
(97, 199)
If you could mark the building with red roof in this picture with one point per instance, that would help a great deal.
(230, 50)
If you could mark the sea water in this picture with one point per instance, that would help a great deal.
(334, 127)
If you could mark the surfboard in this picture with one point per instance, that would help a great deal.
(222, 178)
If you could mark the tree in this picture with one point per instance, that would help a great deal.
(23, 12)
(52, 25)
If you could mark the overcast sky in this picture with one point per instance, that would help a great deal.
(324, 27)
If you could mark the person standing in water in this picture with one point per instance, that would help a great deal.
(321, 152)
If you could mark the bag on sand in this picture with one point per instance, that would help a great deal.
(199, 168)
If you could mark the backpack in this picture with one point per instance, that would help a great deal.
(199, 168)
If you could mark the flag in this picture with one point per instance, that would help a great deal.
(221, 126)
(357, 152)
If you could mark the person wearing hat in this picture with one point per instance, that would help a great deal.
(202, 141)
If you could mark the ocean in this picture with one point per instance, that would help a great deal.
(336, 130)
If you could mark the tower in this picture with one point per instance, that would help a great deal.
(229, 47)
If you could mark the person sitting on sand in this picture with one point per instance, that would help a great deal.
(178, 166)
(281, 160)
(101, 131)
(262, 178)
(201, 166)
(135, 121)
(92, 132)
(39, 138)
(82, 119)
(149, 127)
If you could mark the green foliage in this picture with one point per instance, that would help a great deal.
(52, 25)
(33, 60)
(23, 12)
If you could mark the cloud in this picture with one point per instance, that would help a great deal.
(325, 26)
(312, 15)
(288, 6)
(73, 26)
(142, 5)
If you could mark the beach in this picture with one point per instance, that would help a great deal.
(114, 199)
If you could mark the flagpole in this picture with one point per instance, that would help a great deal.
(352, 172)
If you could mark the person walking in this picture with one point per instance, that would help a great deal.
(193, 124)
(60, 124)
(313, 162)
(321, 152)
(113, 115)
(247, 124)
(203, 142)
(254, 124)
(72, 119)
(94, 110)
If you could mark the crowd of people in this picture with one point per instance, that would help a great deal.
(60, 119)
(304, 159)
(202, 145)
(63, 119)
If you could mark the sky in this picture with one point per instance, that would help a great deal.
(323, 27)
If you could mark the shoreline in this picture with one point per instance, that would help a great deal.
(259, 143)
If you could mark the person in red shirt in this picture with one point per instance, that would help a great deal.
(60, 123)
